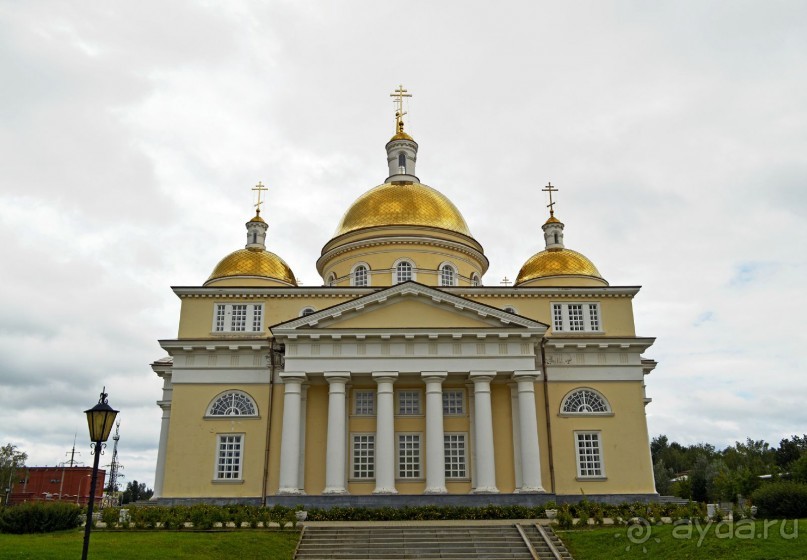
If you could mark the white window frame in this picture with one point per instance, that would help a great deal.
(353, 275)
(475, 280)
(399, 394)
(454, 274)
(446, 402)
(563, 322)
(571, 394)
(246, 396)
(363, 411)
(510, 309)
(417, 436)
(581, 436)
(372, 463)
(220, 467)
(307, 310)
(448, 463)
(413, 274)
(331, 279)
(223, 314)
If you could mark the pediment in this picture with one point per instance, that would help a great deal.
(409, 306)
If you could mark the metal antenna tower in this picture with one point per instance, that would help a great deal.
(115, 466)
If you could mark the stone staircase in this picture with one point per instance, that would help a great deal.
(461, 540)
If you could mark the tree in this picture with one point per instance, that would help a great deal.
(136, 491)
(11, 461)
(790, 450)
(663, 476)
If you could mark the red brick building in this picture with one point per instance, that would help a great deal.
(65, 484)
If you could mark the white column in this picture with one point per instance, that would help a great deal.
(290, 439)
(528, 427)
(162, 449)
(385, 434)
(301, 461)
(435, 446)
(335, 454)
(514, 419)
(483, 424)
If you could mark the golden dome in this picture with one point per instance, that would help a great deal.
(253, 262)
(552, 220)
(401, 135)
(564, 262)
(402, 204)
(258, 218)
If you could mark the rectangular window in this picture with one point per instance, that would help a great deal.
(455, 456)
(365, 402)
(230, 451)
(408, 402)
(453, 402)
(589, 455)
(239, 317)
(409, 456)
(576, 317)
(363, 456)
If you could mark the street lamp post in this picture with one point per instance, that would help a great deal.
(99, 419)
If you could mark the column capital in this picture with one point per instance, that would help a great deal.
(476, 376)
(526, 375)
(385, 376)
(293, 377)
(433, 376)
(337, 377)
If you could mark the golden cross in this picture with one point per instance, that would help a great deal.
(259, 188)
(506, 281)
(400, 93)
(550, 189)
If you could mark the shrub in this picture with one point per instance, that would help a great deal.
(110, 516)
(38, 517)
(565, 519)
(781, 500)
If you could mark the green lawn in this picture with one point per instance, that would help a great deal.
(741, 541)
(135, 545)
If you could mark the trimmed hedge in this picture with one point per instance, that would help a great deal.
(39, 517)
(782, 500)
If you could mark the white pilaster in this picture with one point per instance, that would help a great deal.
(301, 461)
(528, 428)
(516, 422)
(385, 434)
(483, 423)
(435, 446)
(162, 449)
(335, 481)
(290, 439)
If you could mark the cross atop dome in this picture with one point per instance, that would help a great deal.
(399, 94)
(259, 188)
(550, 189)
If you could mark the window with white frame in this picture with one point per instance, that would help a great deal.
(332, 279)
(363, 456)
(238, 317)
(475, 279)
(456, 462)
(576, 317)
(510, 309)
(361, 275)
(589, 455)
(232, 403)
(448, 275)
(307, 311)
(409, 402)
(403, 272)
(453, 402)
(408, 455)
(229, 454)
(364, 403)
(585, 401)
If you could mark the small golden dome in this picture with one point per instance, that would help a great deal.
(552, 220)
(254, 262)
(564, 262)
(401, 135)
(403, 204)
(258, 218)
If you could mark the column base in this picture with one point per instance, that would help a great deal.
(529, 490)
(385, 491)
(335, 491)
(485, 490)
(290, 492)
(436, 490)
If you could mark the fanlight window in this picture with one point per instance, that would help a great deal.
(360, 275)
(233, 403)
(447, 275)
(403, 272)
(585, 401)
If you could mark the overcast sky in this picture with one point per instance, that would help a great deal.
(132, 133)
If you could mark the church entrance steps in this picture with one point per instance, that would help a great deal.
(461, 539)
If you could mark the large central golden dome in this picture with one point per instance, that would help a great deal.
(563, 262)
(403, 204)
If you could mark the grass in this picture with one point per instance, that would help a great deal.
(716, 541)
(136, 545)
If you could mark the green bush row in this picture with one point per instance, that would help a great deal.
(781, 500)
(203, 516)
(39, 517)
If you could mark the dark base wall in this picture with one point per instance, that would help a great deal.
(398, 500)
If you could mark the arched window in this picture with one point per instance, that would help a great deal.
(585, 401)
(361, 275)
(474, 279)
(448, 275)
(332, 279)
(401, 162)
(403, 272)
(307, 311)
(510, 309)
(232, 403)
